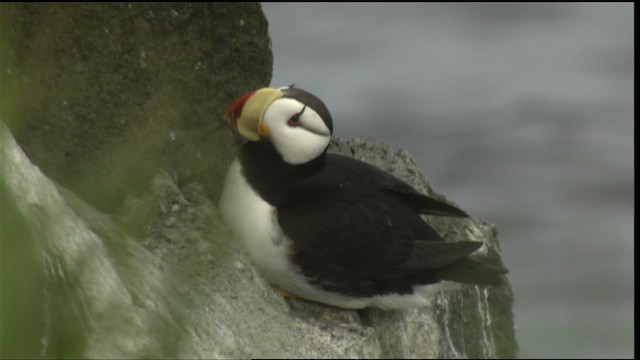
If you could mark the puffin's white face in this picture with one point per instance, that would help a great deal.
(296, 131)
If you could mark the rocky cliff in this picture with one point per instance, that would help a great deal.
(111, 166)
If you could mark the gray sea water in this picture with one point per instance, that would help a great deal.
(520, 113)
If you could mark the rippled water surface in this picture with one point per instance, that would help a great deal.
(522, 114)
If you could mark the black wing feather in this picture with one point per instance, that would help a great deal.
(426, 205)
(432, 254)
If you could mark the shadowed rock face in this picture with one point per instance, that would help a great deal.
(104, 94)
(160, 276)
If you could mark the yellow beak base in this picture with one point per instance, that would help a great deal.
(250, 120)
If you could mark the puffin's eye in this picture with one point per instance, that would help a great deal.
(295, 119)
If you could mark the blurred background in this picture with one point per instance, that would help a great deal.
(522, 114)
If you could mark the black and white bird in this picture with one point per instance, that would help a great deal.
(329, 228)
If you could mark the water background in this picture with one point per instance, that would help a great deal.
(520, 113)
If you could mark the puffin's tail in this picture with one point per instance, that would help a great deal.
(485, 271)
(434, 261)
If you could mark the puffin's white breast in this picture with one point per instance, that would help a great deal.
(254, 222)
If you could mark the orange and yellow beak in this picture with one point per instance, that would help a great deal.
(246, 113)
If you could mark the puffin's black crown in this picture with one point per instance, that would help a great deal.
(311, 101)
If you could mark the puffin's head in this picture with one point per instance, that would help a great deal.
(295, 121)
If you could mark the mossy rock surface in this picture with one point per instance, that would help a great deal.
(100, 96)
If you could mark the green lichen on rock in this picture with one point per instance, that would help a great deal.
(107, 93)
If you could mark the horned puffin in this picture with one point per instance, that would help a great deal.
(329, 228)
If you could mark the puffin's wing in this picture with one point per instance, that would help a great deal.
(357, 230)
(365, 247)
(349, 243)
(450, 261)
(350, 229)
(436, 254)
(427, 205)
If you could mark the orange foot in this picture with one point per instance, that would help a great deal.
(285, 293)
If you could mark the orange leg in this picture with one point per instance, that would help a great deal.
(285, 293)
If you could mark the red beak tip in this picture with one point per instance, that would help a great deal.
(234, 111)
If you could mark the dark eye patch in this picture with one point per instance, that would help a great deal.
(295, 119)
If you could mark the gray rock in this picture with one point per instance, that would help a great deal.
(187, 290)
(101, 95)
